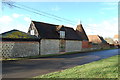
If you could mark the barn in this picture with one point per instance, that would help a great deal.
(55, 38)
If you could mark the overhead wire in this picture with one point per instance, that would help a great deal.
(39, 13)
(46, 13)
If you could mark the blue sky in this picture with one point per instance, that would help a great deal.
(98, 18)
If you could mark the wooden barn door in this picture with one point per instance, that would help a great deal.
(62, 45)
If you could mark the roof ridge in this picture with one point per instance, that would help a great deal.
(10, 31)
(45, 23)
(68, 27)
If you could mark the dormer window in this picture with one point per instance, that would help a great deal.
(62, 34)
(32, 32)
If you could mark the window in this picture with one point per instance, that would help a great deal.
(32, 32)
(62, 34)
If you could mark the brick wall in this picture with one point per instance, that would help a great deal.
(86, 44)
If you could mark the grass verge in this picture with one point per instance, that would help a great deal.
(105, 68)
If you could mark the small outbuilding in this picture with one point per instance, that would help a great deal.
(98, 41)
(17, 43)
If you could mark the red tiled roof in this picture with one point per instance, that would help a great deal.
(96, 39)
(116, 36)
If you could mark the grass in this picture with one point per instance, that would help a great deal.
(16, 34)
(51, 55)
(10, 59)
(105, 68)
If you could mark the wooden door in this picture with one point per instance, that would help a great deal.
(62, 45)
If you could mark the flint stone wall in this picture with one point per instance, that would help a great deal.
(19, 49)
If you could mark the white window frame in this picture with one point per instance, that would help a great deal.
(62, 34)
(32, 32)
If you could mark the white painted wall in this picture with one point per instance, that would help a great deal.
(72, 45)
(49, 46)
(115, 39)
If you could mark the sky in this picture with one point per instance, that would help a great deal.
(97, 18)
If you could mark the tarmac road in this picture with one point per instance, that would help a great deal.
(34, 67)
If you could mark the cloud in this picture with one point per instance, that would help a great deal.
(9, 27)
(8, 23)
(56, 8)
(106, 28)
(15, 15)
(110, 6)
(27, 19)
(6, 19)
(22, 27)
(72, 26)
(110, 3)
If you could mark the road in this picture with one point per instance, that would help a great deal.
(34, 67)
